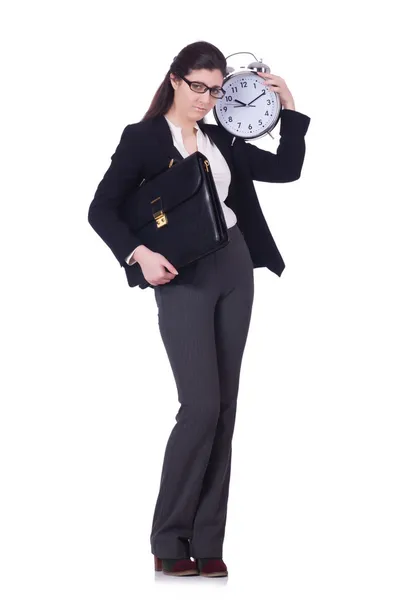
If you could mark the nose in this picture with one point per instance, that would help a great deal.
(204, 96)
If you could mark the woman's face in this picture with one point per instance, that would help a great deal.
(187, 101)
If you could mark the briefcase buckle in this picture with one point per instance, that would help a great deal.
(161, 218)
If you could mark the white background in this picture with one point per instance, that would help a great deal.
(87, 394)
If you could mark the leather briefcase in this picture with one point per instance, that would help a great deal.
(177, 213)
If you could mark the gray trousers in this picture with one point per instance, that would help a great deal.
(204, 327)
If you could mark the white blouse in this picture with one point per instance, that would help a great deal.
(219, 167)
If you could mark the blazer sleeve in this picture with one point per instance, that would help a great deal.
(123, 174)
(286, 164)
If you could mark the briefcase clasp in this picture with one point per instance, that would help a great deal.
(161, 218)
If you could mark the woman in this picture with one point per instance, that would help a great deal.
(204, 310)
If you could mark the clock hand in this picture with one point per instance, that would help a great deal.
(242, 103)
(238, 106)
(260, 96)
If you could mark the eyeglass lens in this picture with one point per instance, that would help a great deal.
(200, 87)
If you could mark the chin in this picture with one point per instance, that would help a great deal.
(200, 114)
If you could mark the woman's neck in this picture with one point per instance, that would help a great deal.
(186, 125)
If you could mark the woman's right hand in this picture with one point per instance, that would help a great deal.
(153, 265)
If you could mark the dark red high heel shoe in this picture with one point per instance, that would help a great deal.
(175, 566)
(212, 567)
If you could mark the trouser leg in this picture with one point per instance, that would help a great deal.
(232, 319)
(187, 328)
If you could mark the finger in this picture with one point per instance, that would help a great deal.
(269, 83)
(168, 276)
(170, 267)
(274, 80)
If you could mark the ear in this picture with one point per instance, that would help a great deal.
(173, 82)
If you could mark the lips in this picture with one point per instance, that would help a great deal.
(200, 109)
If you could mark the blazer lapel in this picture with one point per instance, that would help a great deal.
(164, 136)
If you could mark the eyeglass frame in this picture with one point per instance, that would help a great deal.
(215, 87)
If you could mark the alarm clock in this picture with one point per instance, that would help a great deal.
(249, 109)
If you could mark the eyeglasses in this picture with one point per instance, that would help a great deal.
(201, 88)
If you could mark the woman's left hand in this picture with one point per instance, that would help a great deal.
(277, 84)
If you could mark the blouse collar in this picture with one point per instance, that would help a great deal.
(176, 127)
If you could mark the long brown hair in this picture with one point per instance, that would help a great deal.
(199, 55)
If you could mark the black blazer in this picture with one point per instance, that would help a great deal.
(145, 149)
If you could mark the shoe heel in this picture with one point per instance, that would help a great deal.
(158, 564)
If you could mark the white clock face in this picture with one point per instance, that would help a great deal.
(249, 108)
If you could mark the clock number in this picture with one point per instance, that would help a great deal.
(234, 89)
(230, 119)
(267, 113)
(260, 121)
(229, 98)
(224, 108)
(238, 122)
(243, 83)
(250, 126)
